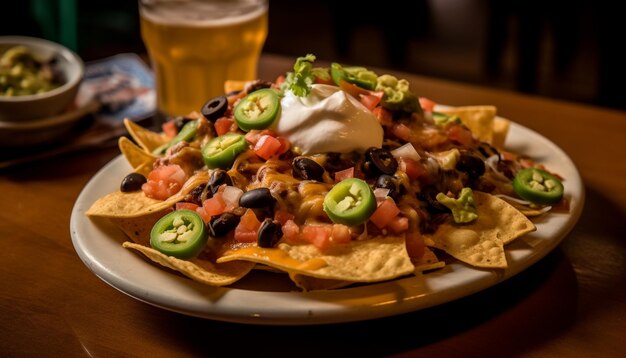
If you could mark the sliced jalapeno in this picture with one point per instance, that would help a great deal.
(538, 186)
(359, 76)
(181, 234)
(350, 202)
(187, 133)
(220, 152)
(257, 110)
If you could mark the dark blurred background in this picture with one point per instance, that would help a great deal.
(569, 50)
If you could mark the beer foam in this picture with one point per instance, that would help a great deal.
(202, 14)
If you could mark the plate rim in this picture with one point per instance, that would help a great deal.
(350, 304)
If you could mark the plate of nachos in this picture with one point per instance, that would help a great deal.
(331, 194)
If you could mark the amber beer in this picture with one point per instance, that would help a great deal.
(195, 46)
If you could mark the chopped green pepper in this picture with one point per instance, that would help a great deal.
(359, 76)
(220, 152)
(181, 233)
(350, 202)
(187, 134)
(257, 110)
(538, 186)
(463, 209)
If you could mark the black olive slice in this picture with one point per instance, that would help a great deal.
(215, 108)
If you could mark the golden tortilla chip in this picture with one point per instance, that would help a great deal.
(372, 260)
(135, 204)
(308, 283)
(427, 262)
(500, 130)
(203, 271)
(479, 119)
(135, 156)
(138, 228)
(481, 242)
(147, 139)
(119, 204)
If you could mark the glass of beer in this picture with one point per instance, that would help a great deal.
(196, 45)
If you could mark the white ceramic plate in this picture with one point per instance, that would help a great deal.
(261, 299)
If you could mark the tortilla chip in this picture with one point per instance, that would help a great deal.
(135, 204)
(308, 283)
(427, 262)
(135, 156)
(138, 228)
(500, 130)
(119, 204)
(527, 210)
(481, 242)
(372, 260)
(147, 139)
(479, 119)
(203, 271)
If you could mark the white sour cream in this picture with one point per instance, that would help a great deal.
(327, 120)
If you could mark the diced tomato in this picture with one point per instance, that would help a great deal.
(215, 205)
(291, 232)
(203, 214)
(508, 155)
(186, 206)
(169, 128)
(246, 230)
(401, 131)
(323, 81)
(340, 234)
(318, 235)
(527, 163)
(383, 115)
(164, 181)
(352, 89)
(461, 135)
(415, 245)
(371, 100)
(223, 125)
(344, 174)
(427, 104)
(254, 135)
(267, 146)
(412, 168)
(283, 216)
(279, 80)
(385, 212)
(398, 225)
(284, 145)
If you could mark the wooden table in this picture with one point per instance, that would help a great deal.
(571, 303)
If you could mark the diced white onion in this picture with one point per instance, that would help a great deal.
(406, 151)
(231, 196)
(381, 195)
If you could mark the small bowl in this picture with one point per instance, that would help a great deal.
(47, 104)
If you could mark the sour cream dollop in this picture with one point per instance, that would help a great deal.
(327, 120)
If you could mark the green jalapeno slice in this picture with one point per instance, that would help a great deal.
(220, 152)
(538, 186)
(257, 110)
(356, 75)
(187, 134)
(181, 234)
(350, 202)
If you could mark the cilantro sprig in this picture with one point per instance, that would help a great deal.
(300, 80)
